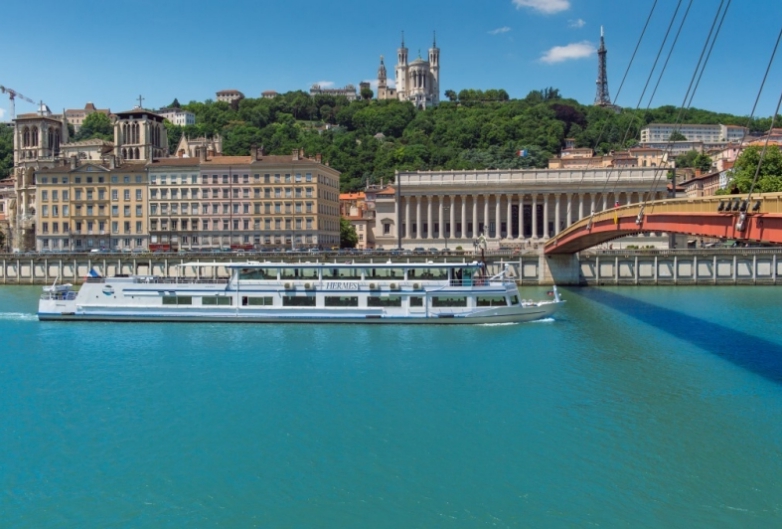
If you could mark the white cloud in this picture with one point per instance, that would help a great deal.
(2, 114)
(576, 50)
(548, 7)
(577, 23)
(499, 31)
(325, 84)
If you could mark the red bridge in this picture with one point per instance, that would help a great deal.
(716, 216)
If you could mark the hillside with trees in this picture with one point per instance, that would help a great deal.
(367, 140)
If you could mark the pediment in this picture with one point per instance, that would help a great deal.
(89, 168)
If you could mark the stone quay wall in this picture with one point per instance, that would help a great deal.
(739, 266)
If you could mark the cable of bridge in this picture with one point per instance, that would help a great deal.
(700, 67)
(616, 97)
(646, 86)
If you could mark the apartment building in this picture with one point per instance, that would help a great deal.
(243, 202)
(706, 133)
(174, 204)
(84, 207)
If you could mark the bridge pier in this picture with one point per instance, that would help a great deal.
(560, 270)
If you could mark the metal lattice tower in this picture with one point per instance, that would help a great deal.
(602, 98)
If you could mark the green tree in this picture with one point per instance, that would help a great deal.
(694, 159)
(770, 175)
(451, 95)
(2, 240)
(367, 94)
(348, 238)
(96, 125)
(6, 150)
(677, 136)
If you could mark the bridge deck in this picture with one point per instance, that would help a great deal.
(692, 216)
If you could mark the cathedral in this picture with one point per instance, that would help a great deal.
(417, 81)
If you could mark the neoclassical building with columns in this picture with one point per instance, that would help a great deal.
(508, 207)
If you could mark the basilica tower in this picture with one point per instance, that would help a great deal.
(434, 70)
(401, 70)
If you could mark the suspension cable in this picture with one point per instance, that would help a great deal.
(691, 90)
(651, 73)
(616, 97)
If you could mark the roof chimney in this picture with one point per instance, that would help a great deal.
(295, 154)
(318, 157)
(254, 151)
(112, 162)
(202, 154)
(74, 162)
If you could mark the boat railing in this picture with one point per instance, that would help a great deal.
(68, 295)
(180, 280)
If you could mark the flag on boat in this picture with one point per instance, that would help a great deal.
(523, 153)
(93, 273)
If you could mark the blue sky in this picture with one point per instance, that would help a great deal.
(67, 53)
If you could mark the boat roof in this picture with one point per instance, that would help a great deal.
(388, 264)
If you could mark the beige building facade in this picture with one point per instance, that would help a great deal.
(510, 208)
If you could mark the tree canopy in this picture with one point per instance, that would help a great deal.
(770, 176)
(695, 159)
(348, 238)
(471, 129)
(96, 125)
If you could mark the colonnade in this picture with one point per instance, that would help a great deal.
(503, 215)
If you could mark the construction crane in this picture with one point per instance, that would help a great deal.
(12, 95)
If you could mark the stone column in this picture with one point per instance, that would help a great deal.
(580, 206)
(498, 217)
(592, 207)
(534, 215)
(474, 230)
(569, 209)
(429, 223)
(418, 217)
(605, 201)
(486, 215)
(521, 216)
(407, 217)
(463, 200)
(509, 217)
(440, 213)
(452, 219)
(557, 213)
(546, 200)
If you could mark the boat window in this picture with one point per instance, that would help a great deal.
(216, 300)
(342, 274)
(385, 274)
(254, 300)
(258, 273)
(384, 301)
(416, 301)
(299, 273)
(341, 301)
(427, 274)
(449, 301)
(177, 300)
(298, 301)
(491, 301)
(514, 300)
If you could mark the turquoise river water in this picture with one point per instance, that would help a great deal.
(634, 407)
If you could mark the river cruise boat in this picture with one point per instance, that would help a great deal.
(443, 293)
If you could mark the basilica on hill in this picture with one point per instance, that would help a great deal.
(417, 81)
